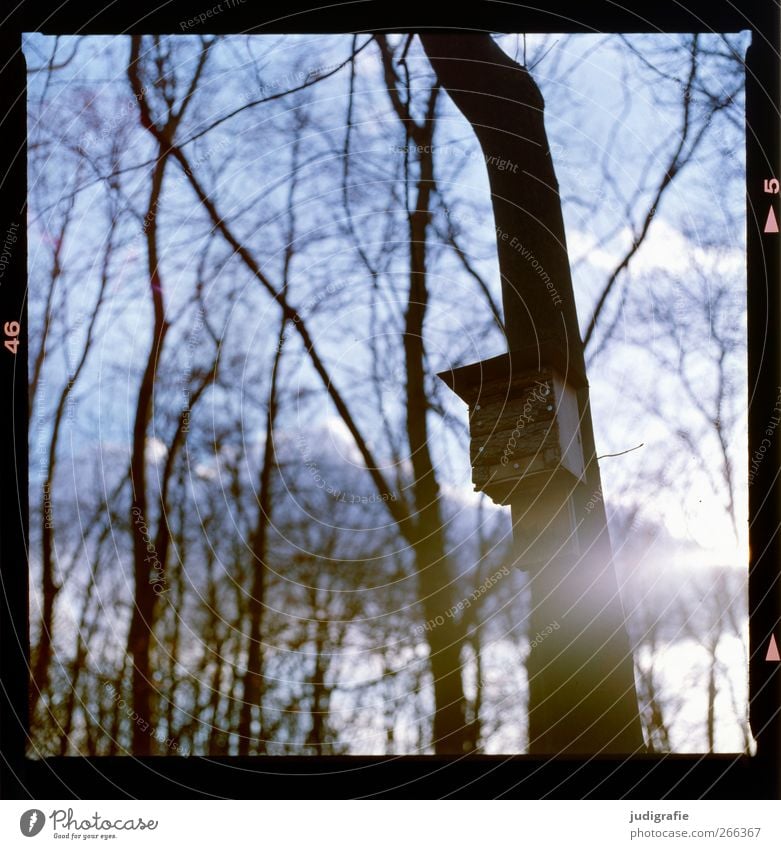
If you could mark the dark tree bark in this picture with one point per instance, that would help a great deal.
(317, 738)
(252, 681)
(581, 683)
(49, 587)
(144, 598)
(87, 627)
(149, 560)
(425, 526)
(434, 579)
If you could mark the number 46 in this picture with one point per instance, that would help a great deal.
(11, 329)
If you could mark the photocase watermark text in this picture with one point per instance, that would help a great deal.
(465, 602)
(540, 395)
(142, 723)
(156, 575)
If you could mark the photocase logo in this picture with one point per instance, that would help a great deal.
(31, 822)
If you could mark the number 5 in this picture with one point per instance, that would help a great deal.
(771, 186)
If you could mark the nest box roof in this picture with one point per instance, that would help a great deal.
(463, 380)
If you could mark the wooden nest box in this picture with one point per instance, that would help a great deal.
(525, 446)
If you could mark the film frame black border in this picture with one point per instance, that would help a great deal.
(672, 776)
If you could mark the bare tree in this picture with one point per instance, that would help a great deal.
(147, 578)
(586, 702)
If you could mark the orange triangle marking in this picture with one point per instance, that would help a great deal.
(772, 650)
(771, 225)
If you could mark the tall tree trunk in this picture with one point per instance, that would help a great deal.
(149, 558)
(424, 528)
(434, 579)
(49, 587)
(321, 695)
(581, 683)
(142, 621)
(252, 682)
(85, 633)
(116, 712)
(712, 692)
(177, 609)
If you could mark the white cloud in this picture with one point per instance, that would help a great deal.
(156, 450)
(665, 248)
